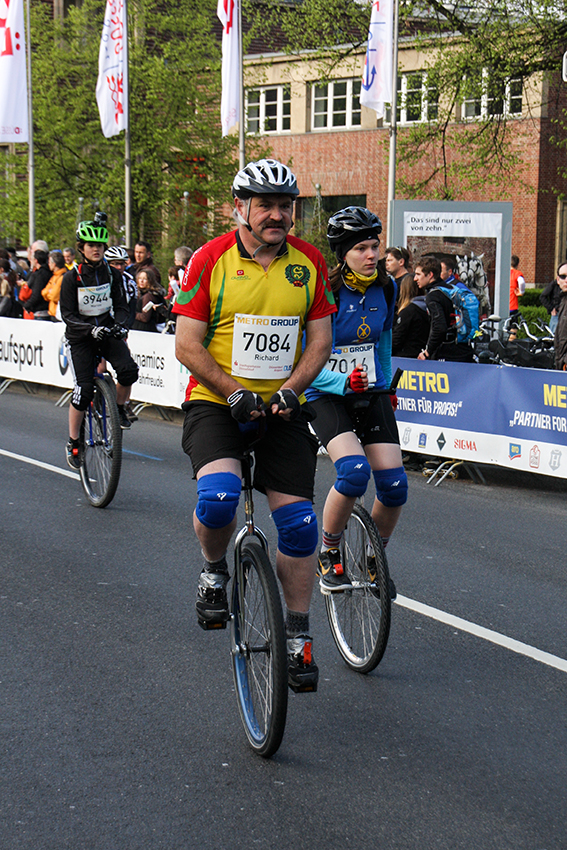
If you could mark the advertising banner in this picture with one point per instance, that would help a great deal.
(13, 73)
(477, 236)
(376, 86)
(501, 415)
(512, 417)
(35, 352)
(227, 11)
(162, 379)
(112, 82)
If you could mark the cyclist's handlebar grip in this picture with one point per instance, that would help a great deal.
(395, 380)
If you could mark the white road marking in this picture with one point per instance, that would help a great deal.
(40, 463)
(419, 607)
(485, 634)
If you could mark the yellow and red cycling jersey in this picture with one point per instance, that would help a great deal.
(255, 318)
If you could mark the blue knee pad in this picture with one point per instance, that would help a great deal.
(391, 486)
(297, 529)
(218, 499)
(353, 475)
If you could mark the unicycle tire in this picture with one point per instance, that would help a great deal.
(360, 617)
(101, 440)
(259, 650)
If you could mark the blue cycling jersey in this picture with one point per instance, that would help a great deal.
(361, 319)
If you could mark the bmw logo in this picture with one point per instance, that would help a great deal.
(63, 361)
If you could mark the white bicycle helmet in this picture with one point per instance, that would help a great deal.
(264, 177)
(116, 253)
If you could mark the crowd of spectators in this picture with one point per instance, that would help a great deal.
(30, 288)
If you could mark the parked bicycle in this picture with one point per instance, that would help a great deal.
(501, 344)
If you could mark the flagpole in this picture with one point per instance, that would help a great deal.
(242, 122)
(127, 154)
(393, 124)
(31, 163)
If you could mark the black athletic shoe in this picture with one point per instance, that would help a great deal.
(371, 570)
(332, 576)
(303, 673)
(125, 423)
(74, 453)
(212, 600)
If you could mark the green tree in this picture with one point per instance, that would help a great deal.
(474, 53)
(176, 138)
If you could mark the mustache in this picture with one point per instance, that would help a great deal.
(276, 224)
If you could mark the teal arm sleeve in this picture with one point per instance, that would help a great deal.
(330, 382)
(385, 355)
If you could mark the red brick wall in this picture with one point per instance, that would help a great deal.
(356, 162)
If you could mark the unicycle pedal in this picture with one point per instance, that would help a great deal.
(303, 683)
(212, 619)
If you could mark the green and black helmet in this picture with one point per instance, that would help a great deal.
(93, 231)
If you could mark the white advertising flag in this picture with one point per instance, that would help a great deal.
(112, 83)
(227, 11)
(13, 77)
(376, 89)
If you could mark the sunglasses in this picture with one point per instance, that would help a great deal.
(562, 276)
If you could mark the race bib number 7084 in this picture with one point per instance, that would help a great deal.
(263, 347)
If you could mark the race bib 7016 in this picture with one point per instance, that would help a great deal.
(344, 360)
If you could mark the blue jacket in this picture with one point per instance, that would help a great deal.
(361, 320)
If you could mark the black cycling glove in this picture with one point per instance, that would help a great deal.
(243, 403)
(287, 400)
(119, 332)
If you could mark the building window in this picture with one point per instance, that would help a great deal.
(494, 99)
(514, 97)
(418, 99)
(309, 210)
(268, 110)
(335, 104)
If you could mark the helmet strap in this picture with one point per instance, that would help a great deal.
(246, 223)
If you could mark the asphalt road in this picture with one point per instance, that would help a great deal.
(119, 724)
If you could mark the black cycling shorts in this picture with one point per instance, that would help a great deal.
(85, 354)
(369, 415)
(285, 457)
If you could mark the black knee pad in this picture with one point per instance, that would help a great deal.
(82, 396)
(129, 375)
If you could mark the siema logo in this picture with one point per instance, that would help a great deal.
(466, 445)
(515, 451)
(62, 356)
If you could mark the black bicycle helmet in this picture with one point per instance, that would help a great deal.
(264, 177)
(93, 231)
(349, 226)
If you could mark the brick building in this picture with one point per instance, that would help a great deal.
(338, 149)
